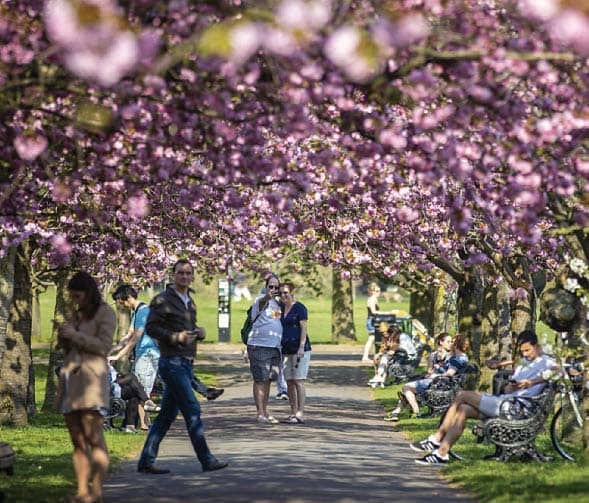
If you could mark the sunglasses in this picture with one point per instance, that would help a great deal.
(273, 287)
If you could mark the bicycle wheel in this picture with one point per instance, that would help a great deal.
(565, 432)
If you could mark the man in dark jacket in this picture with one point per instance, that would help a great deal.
(172, 322)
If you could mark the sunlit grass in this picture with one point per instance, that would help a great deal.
(43, 471)
(558, 481)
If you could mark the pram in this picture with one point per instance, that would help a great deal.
(402, 366)
(117, 406)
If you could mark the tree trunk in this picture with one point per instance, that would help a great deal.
(495, 331)
(440, 313)
(123, 322)
(36, 316)
(6, 293)
(469, 303)
(342, 309)
(55, 354)
(421, 304)
(585, 406)
(523, 311)
(17, 394)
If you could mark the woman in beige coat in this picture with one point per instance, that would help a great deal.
(86, 338)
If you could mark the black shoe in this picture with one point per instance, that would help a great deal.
(152, 470)
(215, 465)
(214, 393)
(432, 459)
(424, 446)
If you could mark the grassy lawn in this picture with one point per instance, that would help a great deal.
(558, 481)
(206, 300)
(43, 470)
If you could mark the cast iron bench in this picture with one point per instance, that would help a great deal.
(443, 390)
(520, 421)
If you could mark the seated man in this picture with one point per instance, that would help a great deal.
(456, 364)
(528, 381)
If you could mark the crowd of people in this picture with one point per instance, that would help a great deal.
(162, 341)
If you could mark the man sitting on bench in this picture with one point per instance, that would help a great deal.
(527, 381)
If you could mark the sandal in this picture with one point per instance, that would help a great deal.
(293, 420)
(267, 420)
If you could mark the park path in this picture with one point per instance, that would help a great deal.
(344, 453)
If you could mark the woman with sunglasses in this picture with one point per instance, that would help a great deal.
(297, 349)
(263, 346)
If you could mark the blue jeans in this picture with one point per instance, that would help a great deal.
(176, 373)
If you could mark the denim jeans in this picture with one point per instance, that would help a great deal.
(176, 373)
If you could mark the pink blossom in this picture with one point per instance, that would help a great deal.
(302, 15)
(60, 244)
(572, 27)
(29, 147)
(137, 206)
(480, 93)
(245, 39)
(393, 139)
(409, 30)
(407, 215)
(107, 64)
(582, 166)
(342, 44)
(539, 9)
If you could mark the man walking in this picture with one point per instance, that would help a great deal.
(172, 322)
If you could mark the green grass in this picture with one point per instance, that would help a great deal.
(558, 481)
(206, 300)
(43, 470)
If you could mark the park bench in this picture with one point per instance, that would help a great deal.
(438, 397)
(520, 421)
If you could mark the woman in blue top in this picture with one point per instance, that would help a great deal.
(297, 349)
(456, 364)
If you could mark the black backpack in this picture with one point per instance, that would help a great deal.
(248, 325)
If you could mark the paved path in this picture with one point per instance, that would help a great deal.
(344, 453)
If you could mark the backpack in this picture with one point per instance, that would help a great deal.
(248, 325)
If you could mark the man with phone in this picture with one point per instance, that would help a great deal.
(172, 322)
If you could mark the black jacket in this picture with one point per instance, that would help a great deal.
(168, 315)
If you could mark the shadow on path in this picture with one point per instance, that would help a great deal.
(344, 452)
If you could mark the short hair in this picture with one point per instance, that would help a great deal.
(289, 285)
(83, 282)
(181, 261)
(440, 337)
(270, 276)
(124, 291)
(461, 342)
(527, 336)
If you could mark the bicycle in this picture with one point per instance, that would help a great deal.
(566, 428)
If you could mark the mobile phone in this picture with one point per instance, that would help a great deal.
(198, 334)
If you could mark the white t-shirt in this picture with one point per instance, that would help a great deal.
(406, 343)
(267, 329)
(532, 370)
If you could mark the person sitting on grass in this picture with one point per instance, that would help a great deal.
(527, 381)
(456, 364)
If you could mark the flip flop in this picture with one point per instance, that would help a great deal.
(293, 420)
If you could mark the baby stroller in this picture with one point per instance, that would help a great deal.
(403, 366)
(117, 406)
